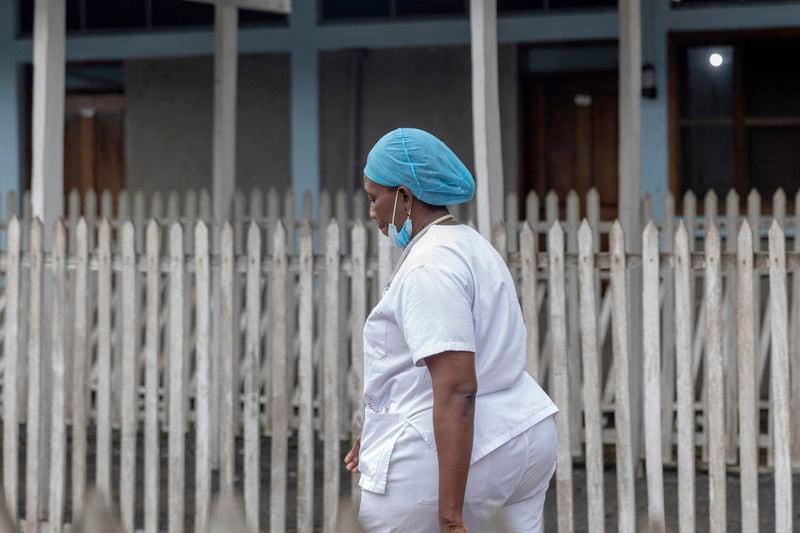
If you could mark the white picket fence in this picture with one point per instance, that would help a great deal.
(129, 328)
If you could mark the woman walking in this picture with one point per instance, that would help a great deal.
(455, 430)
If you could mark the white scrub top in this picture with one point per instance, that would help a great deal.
(453, 292)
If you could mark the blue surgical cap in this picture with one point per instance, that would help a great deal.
(423, 163)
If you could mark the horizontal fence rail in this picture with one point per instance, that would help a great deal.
(125, 341)
(267, 207)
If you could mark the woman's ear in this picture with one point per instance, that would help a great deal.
(406, 195)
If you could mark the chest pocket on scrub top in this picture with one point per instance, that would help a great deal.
(394, 342)
(375, 335)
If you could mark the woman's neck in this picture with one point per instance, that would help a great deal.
(425, 218)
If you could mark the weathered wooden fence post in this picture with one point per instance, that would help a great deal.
(558, 327)
(152, 427)
(229, 379)
(591, 380)
(252, 411)
(58, 418)
(528, 243)
(305, 372)
(129, 394)
(651, 266)
(331, 466)
(13, 371)
(358, 317)
(80, 366)
(626, 496)
(684, 380)
(203, 403)
(34, 419)
(780, 378)
(279, 399)
(668, 337)
(748, 392)
(104, 394)
(573, 320)
(794, 341)
(715, 393)
(176, 355)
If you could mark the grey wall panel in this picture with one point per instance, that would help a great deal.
(169, 118)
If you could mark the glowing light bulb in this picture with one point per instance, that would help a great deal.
(715, 59)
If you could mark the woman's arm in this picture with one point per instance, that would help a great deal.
(454, 389)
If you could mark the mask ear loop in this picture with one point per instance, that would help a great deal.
(394, 209)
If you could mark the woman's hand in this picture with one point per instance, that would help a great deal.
(351, 459)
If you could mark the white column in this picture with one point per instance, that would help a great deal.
(47, 184)
(47, 190)
(486, 114)
(225, 73)
(630, 106)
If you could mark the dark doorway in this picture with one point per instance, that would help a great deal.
(570, 135)
(94, 129)
(94, 143)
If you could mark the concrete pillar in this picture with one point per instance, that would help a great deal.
(47, 180)
(47, 189)
(630, 105)
(486, 114)
(304, 104)
(226, 57)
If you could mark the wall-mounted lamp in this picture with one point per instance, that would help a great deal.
(649, 81)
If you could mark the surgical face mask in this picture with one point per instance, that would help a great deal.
(403, 237)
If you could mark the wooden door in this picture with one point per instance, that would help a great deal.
(94, 144)
(570, 136)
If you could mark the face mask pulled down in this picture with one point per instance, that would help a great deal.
(403, 237)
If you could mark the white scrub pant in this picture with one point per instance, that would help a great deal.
(513, 480)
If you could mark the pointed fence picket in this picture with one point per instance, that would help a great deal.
(13, 371)
(684, 380)
(558, 324)
(152, 427)
(652, 378)
(626, 496)
(779, 375)
(34, 379)
(748, 393)
(591, 380)
(251, 412)
(715, 400)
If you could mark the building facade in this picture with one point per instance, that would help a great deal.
(318, 87)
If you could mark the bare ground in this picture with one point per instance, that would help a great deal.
(766, 490)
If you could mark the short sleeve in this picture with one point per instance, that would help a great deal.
(435, 312)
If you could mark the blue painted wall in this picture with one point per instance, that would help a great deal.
(304, 39)
(10, 133)
(304, 102)
(655, 150)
